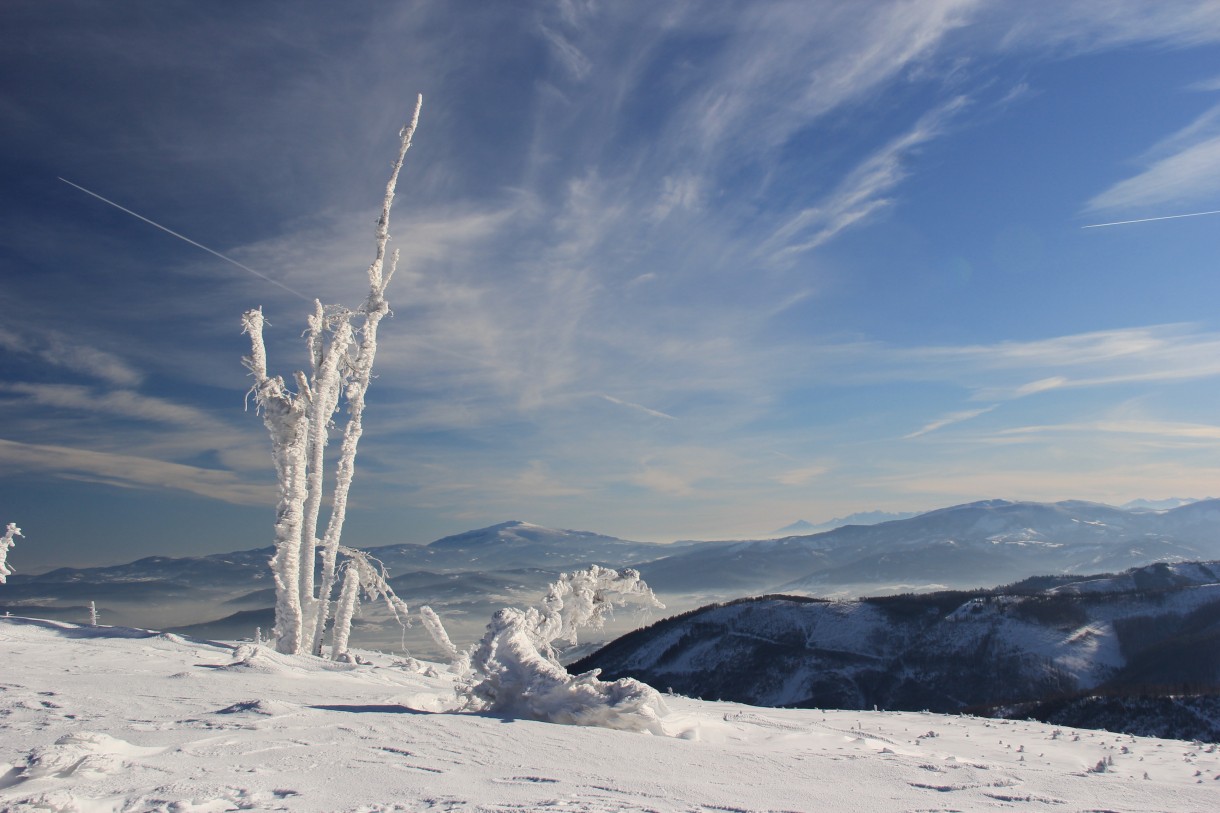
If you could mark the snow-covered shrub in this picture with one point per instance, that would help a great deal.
(7, 541)
(514, 669)
(459, 660)
(342, 345)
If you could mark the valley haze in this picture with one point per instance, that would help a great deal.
(468, 576)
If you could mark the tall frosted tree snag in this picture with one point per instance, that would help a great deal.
(7, 541)
(342, 344)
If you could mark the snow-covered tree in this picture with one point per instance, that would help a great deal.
(7, 541)
(514, 670)
(342, 345)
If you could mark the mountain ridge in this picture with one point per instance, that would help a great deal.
(947, 652)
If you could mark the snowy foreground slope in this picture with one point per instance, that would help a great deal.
(113, 719)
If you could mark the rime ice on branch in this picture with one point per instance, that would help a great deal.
(515, 671)
(342, 345)
(7, 541)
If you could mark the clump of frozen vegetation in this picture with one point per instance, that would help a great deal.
(7, 541)
(459, 660)
(361, 574)
(515, 671)
(342, 345)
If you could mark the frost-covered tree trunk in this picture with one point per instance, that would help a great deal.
(285, 417)
(7, 541)
(342, 345)
(349, 596)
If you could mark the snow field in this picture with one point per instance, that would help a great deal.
(112, 719)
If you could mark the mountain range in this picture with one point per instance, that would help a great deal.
(467, 576)
(861, 518)
(977, 544)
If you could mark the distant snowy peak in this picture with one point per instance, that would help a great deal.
(519, 544)
(516, 532)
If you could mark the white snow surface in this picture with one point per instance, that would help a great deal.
(114, 719)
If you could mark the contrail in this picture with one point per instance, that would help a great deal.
(654, 412)
(189, 240)
(1149, 219)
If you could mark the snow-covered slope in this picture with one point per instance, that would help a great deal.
(111, 719)
(1159, 576)
(948, 651)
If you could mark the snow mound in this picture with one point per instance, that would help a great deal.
(249, 657)
(266, 708)
(86, 754)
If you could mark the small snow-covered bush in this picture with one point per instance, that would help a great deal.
(514, 670)
(459, 661)
(7, 541)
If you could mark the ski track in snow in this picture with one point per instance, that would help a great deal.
(110, 719)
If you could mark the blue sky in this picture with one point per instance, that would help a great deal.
(670, 270)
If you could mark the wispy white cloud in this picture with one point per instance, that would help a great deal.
(126, 404)
(58, 349)
(686, 471)
(1168, 430)
(862, 193)
(1098, 358)
(566, 53)
(538, 481)
(1182, 170)
(672, 483)
(802, 475)
(784, 66)
(678, 192)
(1041, 385)
(949, 420)
(1184, 178)
(1033, 481)
(1206, 85)
(129, 471)
(1086, 26)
